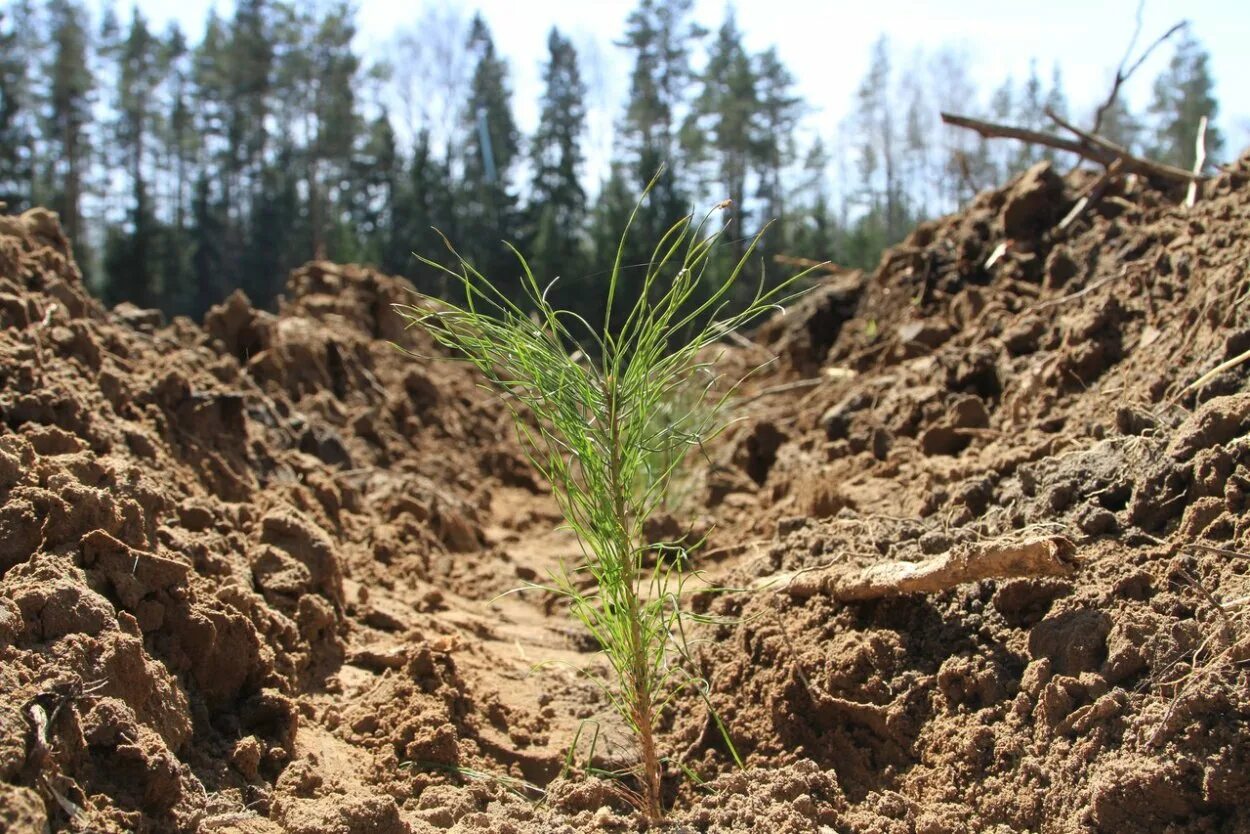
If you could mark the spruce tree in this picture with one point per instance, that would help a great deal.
(813, 233)
(245, 70)
(424, 200)
(277, 233)
(874, 119)
(660, 35)
(1120, 126)
(376, 173)
(18, 130)
(487, 203)
(331, 102)
(1030, 114)
(557, 201)
(1003, 110)
(211, 87)
(1183, 94)
(213, 274)
(68, 116)
(131, 271)
(179, 147)
(1057, 103)
(616, 200)
(772, 143)
(721, 132)
(208, 225)
(247, 64)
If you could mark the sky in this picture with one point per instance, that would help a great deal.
(827, 44)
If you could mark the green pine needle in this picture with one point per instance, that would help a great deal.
(597, 440)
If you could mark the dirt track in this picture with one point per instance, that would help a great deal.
(249, 572)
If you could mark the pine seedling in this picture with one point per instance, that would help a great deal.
(595, 437)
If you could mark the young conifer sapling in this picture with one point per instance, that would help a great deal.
(593, 393)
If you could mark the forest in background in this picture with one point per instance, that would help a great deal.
(185, 170)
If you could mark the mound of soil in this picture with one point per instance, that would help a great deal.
(208, 531)
(250, 570)
(963, 404)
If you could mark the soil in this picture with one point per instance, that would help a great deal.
(251, 570)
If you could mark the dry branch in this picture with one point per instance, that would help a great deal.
(1121, 74)
(1089, 146)
(991, 130)
(1134, 164)
(1200, 159)
(1217, 370)
(1048, 556)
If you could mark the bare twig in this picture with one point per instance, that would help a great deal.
(1216, 371)
(1091, 194)
(1110, 151)
(991, 130)
(1210, 548)
(1055, 302)
(1091, 147)
(1121, 74)
(1200, 160)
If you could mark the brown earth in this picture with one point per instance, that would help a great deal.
(250, 571)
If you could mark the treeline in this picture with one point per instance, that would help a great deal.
(183, 171)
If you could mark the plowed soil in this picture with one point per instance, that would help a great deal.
(250, 570)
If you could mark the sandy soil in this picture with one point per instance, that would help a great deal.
(250, 570)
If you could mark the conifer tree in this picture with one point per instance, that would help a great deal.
(1057, 103)
(487, 205)
(329, 89)
(178, 147)
(132, 273)
(277, 233)
(772, 147)
(424, 200)
(557, 207)
(660, 35)
(1002, 156)
(213, 274)
(376, 172)
(18, 50)
(1183, 94)
(1030, 115)
(208, 224)
(1120, 126)
(68, 116)
(247, 62)
(883, 220)
(813, 234)
(721, 131)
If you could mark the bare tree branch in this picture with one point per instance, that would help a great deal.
(1091, 147)
(990, 130)
(1145, 167)
(1122, 75)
